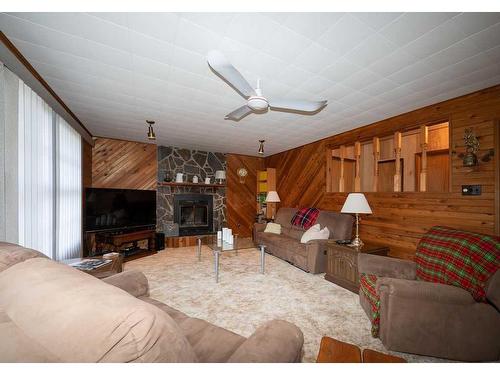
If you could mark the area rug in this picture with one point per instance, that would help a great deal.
(244, 298)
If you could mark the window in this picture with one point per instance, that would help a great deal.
(49, 179)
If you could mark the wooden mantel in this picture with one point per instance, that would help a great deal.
(191, 184)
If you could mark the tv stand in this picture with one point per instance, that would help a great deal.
(101, 242)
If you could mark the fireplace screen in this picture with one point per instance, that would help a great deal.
(193, 213)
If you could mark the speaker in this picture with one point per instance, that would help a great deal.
(160, 240)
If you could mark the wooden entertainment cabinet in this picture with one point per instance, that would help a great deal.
(103, 241)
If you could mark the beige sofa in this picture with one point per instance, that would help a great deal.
(50, 312)
(311, 256)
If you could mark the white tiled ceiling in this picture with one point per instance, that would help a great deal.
(115, 70)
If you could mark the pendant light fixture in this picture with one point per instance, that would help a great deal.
(151, 132)
(261, 147)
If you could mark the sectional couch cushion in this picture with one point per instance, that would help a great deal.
(12, 254)
(56, 304)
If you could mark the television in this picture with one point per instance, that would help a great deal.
(119, 208)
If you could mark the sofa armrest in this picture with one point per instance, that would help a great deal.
(423, 291)
(386, 267)
(493, 290)
(133, 282)
(258, 227)
(316, 255)
(276, 341)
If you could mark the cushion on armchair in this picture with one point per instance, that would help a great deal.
(459, 258)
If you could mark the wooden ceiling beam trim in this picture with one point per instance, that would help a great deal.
(17, 63)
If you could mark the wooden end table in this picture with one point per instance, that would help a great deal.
(342, 263)
(112, 268)
(336, 351)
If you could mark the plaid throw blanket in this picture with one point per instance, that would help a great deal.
(459, 258)
(305, 217)
(367, 285)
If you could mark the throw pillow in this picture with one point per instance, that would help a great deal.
(305, 217)
(315, 233)
(273, 228)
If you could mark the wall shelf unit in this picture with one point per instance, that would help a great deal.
(266, 181)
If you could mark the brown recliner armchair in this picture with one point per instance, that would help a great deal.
(430, 318)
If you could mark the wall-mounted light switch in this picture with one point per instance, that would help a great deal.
(471, 189)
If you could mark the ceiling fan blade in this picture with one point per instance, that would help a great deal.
(239, 113)
(297, 105)
(221, 65)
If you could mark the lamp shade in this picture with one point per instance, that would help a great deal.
(356, 203)
(220, 175)
(273, 197)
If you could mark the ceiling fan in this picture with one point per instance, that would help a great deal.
(256, 103)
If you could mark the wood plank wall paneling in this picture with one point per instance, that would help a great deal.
(241, 197)
(124, 164)
(86, 164)
(400, 219)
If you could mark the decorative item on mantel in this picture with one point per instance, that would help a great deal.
(179, 178)
(220, 176)
(195, 179)
(207, 181)
(168, 177)
(471, 143)
(356, 203)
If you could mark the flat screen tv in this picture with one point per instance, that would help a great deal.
(119, 208)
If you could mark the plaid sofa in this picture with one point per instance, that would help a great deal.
(445, 304)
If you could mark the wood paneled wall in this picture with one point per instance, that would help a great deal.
(86, 164)
(124, 164)
(400, 219)
(241, 197)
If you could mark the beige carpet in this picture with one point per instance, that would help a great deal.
(243, 299)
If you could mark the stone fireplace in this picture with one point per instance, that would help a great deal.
(173, 160)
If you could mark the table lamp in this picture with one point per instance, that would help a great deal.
(356, 203)
(220, 175)
(272, 197)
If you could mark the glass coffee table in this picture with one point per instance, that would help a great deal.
(219, 247)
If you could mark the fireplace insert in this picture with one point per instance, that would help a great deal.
(194, 213)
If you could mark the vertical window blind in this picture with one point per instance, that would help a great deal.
(68, 191)
(50, 195)
(36, 172)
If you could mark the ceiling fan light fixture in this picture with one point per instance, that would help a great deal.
(151, 132)
(258, 103)
(261, 147)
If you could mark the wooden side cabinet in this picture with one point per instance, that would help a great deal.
(342, 263)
